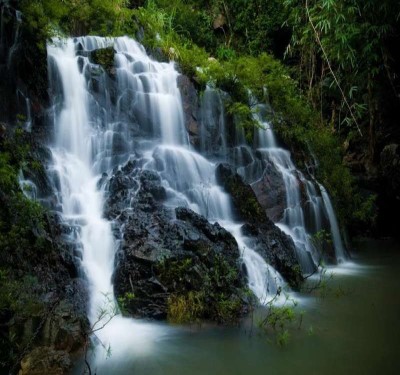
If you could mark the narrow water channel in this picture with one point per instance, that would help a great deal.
(355, 329)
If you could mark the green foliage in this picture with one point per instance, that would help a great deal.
(175, 270)
(18, 296)
(124, 300)
(187, 308)
(243, 116)
(228, 309)
(366, 211)
(190, 20)
(341, 50)
(201, 294)
(104, 57)
(321, 238)
(7, 172)
(280, 319)
(48, 18)
(18, 299)
(283, 338)
(254, 24)
(21, 220)
(225, 53)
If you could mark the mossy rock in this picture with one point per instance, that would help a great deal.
(105, 58)
(244, 199)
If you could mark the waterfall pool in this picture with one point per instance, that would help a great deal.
(354, 329)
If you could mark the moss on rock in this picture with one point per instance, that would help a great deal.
(105, 58)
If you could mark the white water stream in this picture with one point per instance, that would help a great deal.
(82, 204)
(293, 222)
(336, 237)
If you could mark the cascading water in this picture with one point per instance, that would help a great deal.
(75, 155)
(334, 226)
(95, 131)
(293, 221)
(149, 87)
(14, 47)
(306, 212)
(212, 131)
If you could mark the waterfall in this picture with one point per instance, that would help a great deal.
(75, 159)
(149, 87)
(82, 203)
(334, 226)
(212, 131)
(293, 221)
(14, 47)
(97, 128)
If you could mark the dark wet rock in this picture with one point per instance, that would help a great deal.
(140, 34)
(244, 200)
(102, 181)
(168, 253)
(265, 237)
(212, 119)
(277, 248)
(105, 58)
(151, 183)
(270, 192)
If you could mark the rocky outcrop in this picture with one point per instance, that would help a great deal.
(244, 200)
(268, 240)
(172, 255)
(270, 192)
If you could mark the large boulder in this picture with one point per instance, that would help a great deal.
(172, 262)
